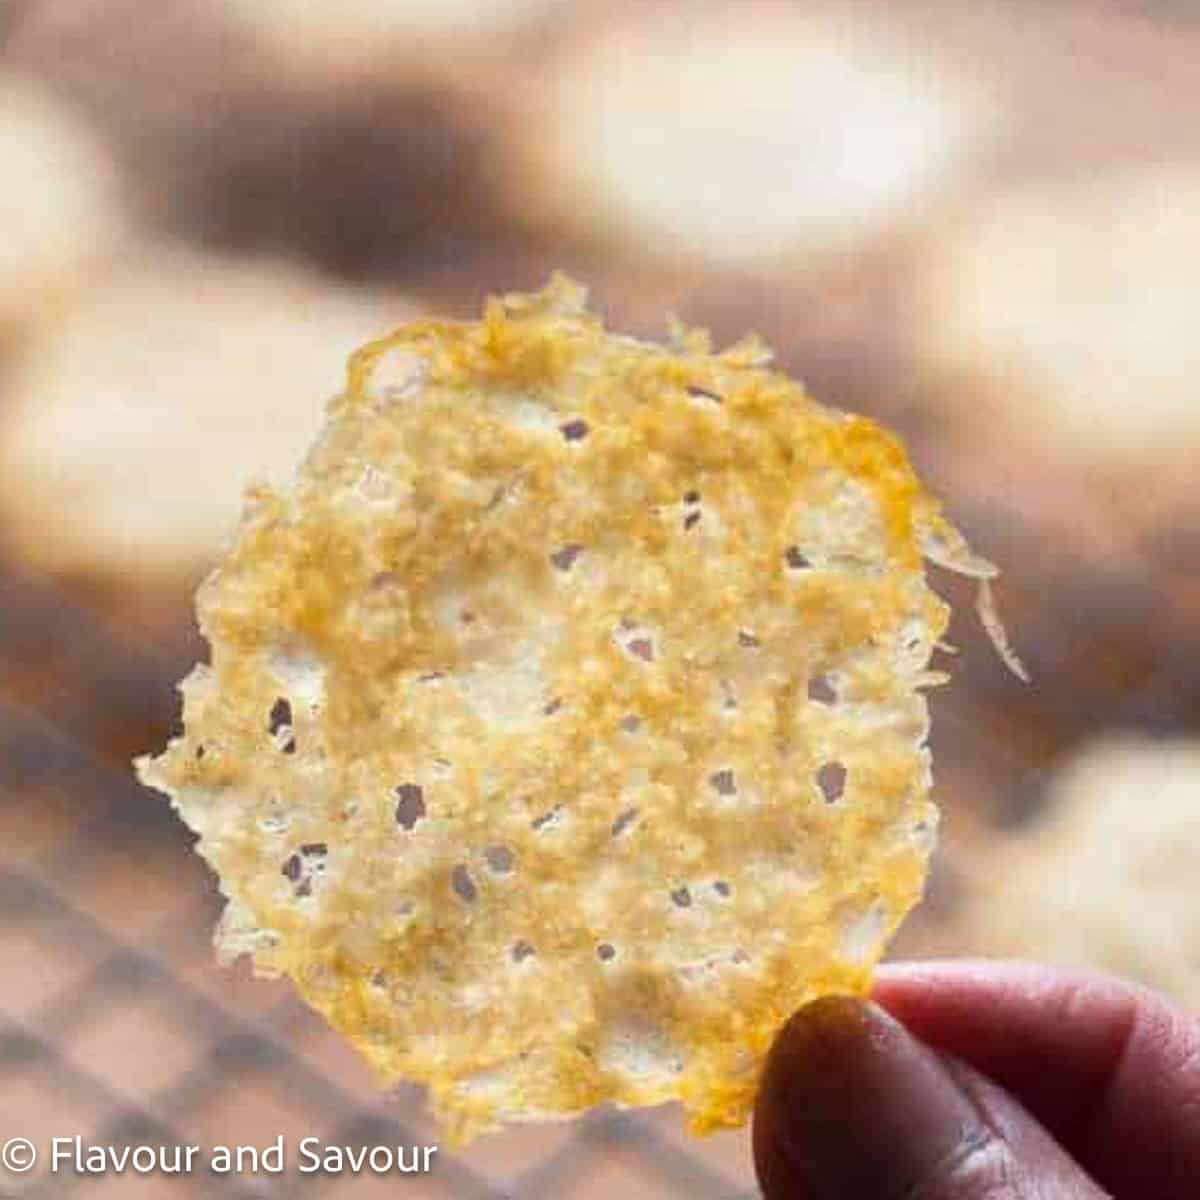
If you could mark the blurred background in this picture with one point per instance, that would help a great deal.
(978, 223)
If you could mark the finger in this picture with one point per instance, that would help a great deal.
(1111, 1070)
(853, 1107)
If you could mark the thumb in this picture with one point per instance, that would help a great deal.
(853, 1107)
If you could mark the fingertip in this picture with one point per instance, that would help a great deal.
(851, 1103)
(815, 1039)
(1109, 1067)
(923, 972)
(854, 1105)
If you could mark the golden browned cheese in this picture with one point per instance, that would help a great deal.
(564, 728)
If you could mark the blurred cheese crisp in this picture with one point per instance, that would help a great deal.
(180, 373)
(737, 139)
(1074, 305)
(1109, 879)
(61, 209)
(320, 39)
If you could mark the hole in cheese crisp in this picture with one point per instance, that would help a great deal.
(499, 858)
(463, 884)
(623, 821)
(722, 782)
(564, 559)
(612, 770)
(410, 805)
(831, 779)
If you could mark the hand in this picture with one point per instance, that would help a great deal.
(983, 1081)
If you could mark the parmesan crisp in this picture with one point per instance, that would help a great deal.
(564, 728)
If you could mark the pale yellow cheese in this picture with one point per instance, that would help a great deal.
(564, 729)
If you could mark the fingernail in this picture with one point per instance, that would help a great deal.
(853, 1105)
